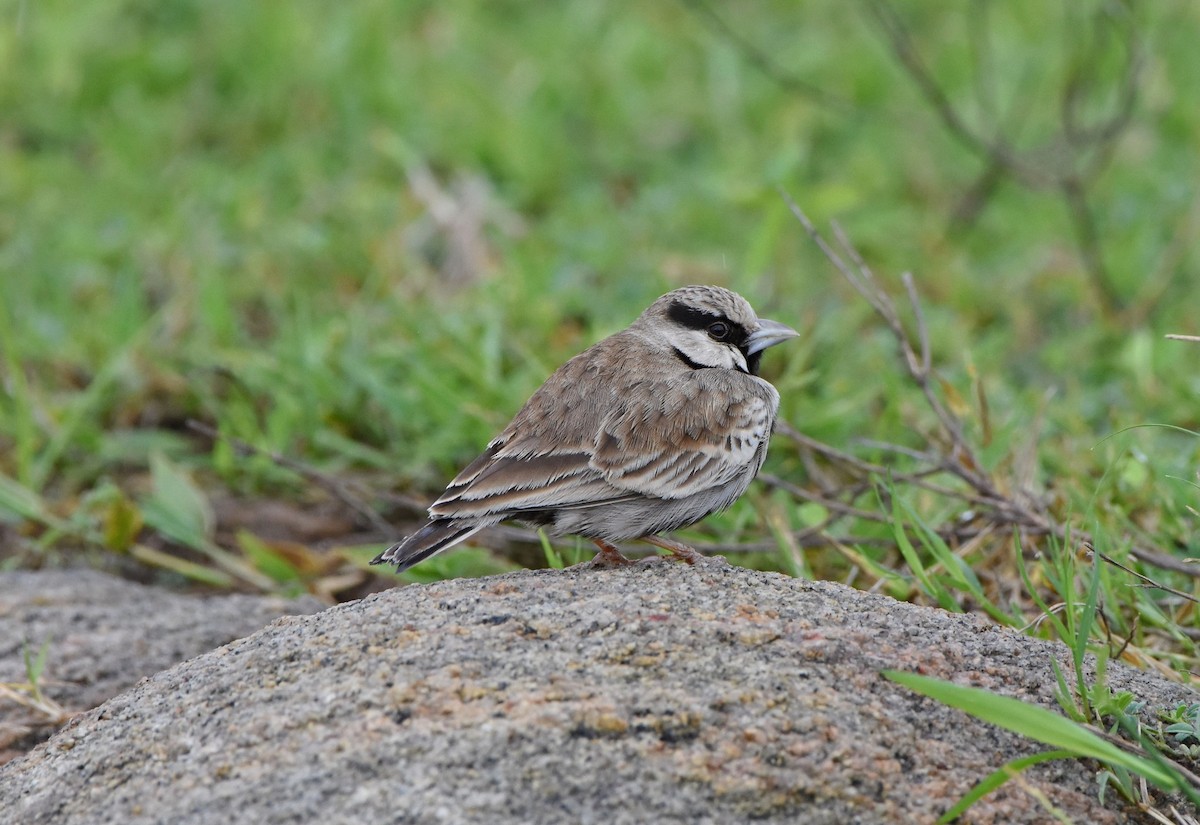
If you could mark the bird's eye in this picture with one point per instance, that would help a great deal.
(718, 331)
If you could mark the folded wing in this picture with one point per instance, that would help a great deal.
(687, 435)
(705, 432)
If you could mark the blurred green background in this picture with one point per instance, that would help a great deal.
(360, 234)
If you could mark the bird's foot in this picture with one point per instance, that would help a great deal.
(608, 558)
(679, 550)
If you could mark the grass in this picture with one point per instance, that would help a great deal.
(1068, 737)
(360, 235)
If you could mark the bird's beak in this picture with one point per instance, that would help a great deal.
(768, 334)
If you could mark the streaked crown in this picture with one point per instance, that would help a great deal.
(695, 307)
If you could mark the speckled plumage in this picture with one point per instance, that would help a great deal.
(651, 429)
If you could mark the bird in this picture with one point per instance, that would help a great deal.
(649, 430)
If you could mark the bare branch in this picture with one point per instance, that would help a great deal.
(922, 330)
(761, 60)
(1146, 579)
(1069, 162)
(1087, 238)
(1021, 508)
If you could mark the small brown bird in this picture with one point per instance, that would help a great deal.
(652, 429)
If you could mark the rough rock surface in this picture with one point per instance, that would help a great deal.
(656, 693)
(104, 634)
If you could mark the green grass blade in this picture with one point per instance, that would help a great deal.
(553, 557)
(34, 665)
(1035, 722)
(997, 778)
(22, 502)
(928, 583)
(83, 407)
(958, 570)
(21, 427)
(179, 510)
(175, 506)
(266, 560)
(1032, 590)
(189, 569)
(1083, 634)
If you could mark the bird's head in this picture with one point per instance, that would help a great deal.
(708, 326)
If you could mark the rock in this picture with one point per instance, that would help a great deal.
(104, 634)
(654, 693)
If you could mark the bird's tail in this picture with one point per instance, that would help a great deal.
(435, 536)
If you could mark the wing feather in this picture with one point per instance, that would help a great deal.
(580, 443)
(515, 485)
(700, 433)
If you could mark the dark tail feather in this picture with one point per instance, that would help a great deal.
(435, 536)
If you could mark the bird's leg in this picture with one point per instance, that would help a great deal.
(609, 555)
(678, 549)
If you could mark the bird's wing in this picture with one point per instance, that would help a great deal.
(697, 432)
(503, 485)
(542, 460)
(584, 441)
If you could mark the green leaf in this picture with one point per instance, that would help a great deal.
(1035, 722)
(264, 557)
(812, 514)
(179, 510)
(122, 522)
(176, 507)
(34, 665)
(21, 428)
(20, 501)
(553, 557)
(958, 569)
(83, 406)
(929, 584)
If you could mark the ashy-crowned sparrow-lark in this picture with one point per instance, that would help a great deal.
(650, 430)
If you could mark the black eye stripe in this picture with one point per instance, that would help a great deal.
(692, 318)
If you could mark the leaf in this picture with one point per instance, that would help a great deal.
(176, 507)
(183, 567)
(34, 665)
(931, 585)
(21, 501)
(179, 510)
(553, 559)
(958, 569)
(122, 523)
(812, 514)
(267, 558)
(1035, 722)
(954, 400)
(82, 408)
(985, 418)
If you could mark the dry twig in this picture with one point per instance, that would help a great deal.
(760, 59)
(988, 503)
(1071, 161)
